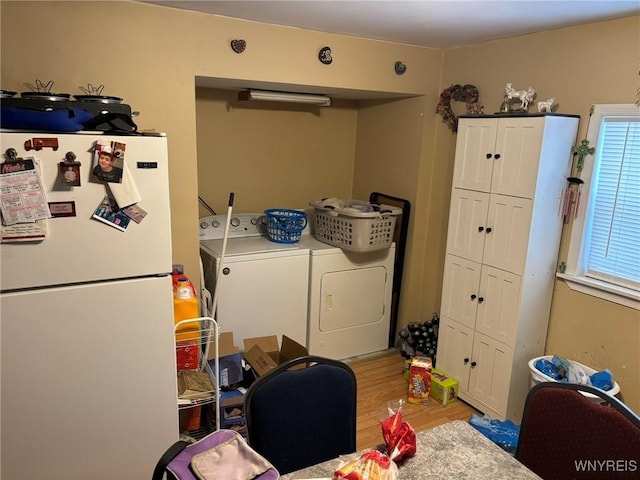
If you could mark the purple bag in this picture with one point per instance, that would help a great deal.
(221, 454)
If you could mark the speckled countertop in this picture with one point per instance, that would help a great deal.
(453, 451)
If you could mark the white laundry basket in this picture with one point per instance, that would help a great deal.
(538, 377)
(355, 231)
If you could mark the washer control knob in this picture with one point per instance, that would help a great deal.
(203, 225)
(254, 221)
(235, 222)
(215, 224)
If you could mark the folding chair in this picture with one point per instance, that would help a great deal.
(299, 417)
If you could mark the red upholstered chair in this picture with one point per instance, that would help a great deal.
(565, 435)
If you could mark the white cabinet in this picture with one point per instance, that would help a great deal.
(489, 228)
(502, 246)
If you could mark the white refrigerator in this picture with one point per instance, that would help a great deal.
(87, 357)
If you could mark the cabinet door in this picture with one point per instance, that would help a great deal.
(475, 146)
(516, 156)
(467, 218)
(490, 372)
(460, 290)
(507, 233)
(454, 350)
(498, 300)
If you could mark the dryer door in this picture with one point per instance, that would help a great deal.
(352, 298)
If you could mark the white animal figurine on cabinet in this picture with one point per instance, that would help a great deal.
(525, 96)
(546, 105)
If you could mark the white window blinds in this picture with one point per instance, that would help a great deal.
(613, 239)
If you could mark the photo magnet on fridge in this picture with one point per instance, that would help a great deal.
(108, 212)
(108, 161)
(135, 212)
(69, 173)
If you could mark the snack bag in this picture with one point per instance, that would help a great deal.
(371, 465)
(419, 380)
(399, 436)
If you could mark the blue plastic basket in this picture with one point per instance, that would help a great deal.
(285, 226)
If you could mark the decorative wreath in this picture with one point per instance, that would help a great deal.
(467, 93)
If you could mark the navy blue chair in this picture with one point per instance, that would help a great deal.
(297, 417)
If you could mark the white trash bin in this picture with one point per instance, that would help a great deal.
(538, 377)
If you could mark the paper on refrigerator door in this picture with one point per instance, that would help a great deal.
(22, 196)
(24, 232)
(125, 193)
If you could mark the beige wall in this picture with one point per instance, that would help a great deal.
(153, 55)
(596, 63)
(272, 156)
(394, 156)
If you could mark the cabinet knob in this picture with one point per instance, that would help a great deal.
(473, 296)
(466, 360)
(496, 156)
(489, 229)
(480, 299)
(226, 271)
(480, 229)
(473, 364)
(489, 155)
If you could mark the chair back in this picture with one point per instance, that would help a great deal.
(566, 435)
(302, 416)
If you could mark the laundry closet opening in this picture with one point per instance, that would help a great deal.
(284, 155)
(272, 155)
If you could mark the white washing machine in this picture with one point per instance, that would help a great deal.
(263, 287)
(349, 300)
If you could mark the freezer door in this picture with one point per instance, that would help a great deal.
(88, 381)
(79, 248)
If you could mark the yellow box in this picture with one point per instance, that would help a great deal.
(443, 387)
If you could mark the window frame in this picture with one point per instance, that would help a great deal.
(575, 272)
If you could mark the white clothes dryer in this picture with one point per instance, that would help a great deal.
(349, 300)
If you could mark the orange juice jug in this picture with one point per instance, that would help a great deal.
(185, 307)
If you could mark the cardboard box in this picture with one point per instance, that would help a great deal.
(443, 387)
(419, 380)
(194, 385)
(232, 411)
(263, 354)
(230, 360)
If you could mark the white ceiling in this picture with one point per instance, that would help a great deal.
(427, 23)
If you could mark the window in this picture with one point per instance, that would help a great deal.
(604, 250)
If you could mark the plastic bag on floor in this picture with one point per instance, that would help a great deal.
(504, 434)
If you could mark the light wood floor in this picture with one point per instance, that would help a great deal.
(380, 381)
